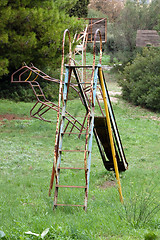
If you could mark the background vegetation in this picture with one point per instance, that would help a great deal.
(31, 32)
(140, 80)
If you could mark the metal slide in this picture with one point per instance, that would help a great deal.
(101, 133)
(103, 141)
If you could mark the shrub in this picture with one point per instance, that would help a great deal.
(141, 79)
(135, 15)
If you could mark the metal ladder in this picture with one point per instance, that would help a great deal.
(88, 141)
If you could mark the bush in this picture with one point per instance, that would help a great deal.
(134, 16)
(141, 79)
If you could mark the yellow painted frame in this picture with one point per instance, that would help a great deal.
(110, 132)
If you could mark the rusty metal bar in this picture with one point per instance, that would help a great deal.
(66, 186)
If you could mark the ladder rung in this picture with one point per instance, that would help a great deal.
(39, 95)
(66, 186)
(69, 205)
(77, 168)
(73, 133)
(72, 150)
(35, 85)
(84, 83)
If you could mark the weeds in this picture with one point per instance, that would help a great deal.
(141, 209)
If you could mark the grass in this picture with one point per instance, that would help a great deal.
(26, 152)
(89, 59)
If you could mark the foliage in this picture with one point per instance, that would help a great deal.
(157, 27)
(110, 9)
(150, 236)
(133, 16)
(32, 31)
(141, 79)
(141, 209)
(80, 9)
(93, 13)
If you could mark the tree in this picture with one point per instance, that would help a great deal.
(80, 9)
(140, 80)
(133, 16)
(111, 8)
(31, 31)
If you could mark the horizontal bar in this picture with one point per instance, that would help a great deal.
(84, 83)
(66, 186)
(79, 66)
(77, 168)
(73, 133)
(69, 205)
(72, 150)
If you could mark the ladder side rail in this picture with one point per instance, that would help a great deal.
(39, 73)
(61, 131)
(62, 119)
(89, 134)
(13, 74)
(91, 127)
(20, 75)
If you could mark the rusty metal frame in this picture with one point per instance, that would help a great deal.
(62, 114)
(45, 105)
(90, 105)
(94, 23)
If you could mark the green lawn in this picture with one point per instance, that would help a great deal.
(26, 153)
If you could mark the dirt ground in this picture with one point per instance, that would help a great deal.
(108, 184)
(10, 117)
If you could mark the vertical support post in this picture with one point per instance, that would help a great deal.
(61, 130)
(110, 133)
(91, 127)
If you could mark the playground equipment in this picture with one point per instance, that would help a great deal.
(103, 127)
(87, 36)
(42, 105)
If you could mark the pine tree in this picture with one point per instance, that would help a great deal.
(31, 31)
(80, 9)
